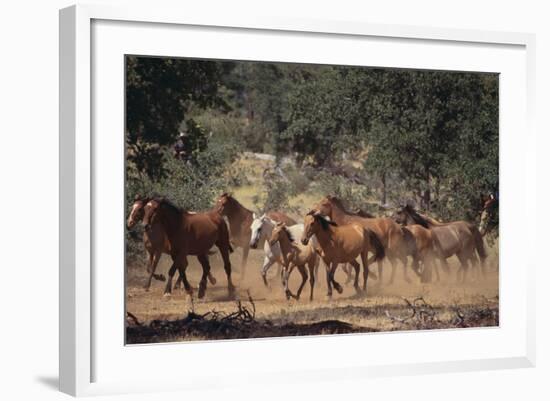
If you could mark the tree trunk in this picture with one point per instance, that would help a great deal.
(384, 190)
(427, 193)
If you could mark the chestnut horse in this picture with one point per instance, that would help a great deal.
(458, 238)
(426, 249)
(398, 243)
(190, 234)
(155, 242)
(240, 219)
(342, 244)
(294, 254)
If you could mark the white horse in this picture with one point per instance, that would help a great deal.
(262, 228)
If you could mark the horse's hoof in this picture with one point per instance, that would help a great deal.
(201, 293)
(167, 295)
(213, 281)
(338, 288)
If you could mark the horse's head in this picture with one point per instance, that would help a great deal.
(313, 223)
(257, 228)
(150, 213)
(405, 215)
(324, 206)
(400, 215)
(136, 211)
(223, 203)
(278, 230)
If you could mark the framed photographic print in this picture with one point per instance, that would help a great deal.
(307, 193)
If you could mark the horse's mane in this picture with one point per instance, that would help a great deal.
(417, 218)
(363, 213)
(169, 204)
(324, 222)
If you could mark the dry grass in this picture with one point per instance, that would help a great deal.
(474, 303)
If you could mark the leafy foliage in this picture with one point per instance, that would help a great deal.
(159, 92)
(362, 134)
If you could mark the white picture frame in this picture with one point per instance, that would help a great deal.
(81, 342)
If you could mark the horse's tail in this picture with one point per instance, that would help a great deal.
(379, 251)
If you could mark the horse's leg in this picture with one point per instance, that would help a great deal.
(464, 265)
(178, 283)
(224, 251)
(182, 267)
(154, 260)
(286, 276)
(335, 284)
(329, 281)
(379, 283)
(316, 265)
(357, 272)
(365, 262)
(346, 268)
(404, 260)
(203, 259)
(428, 261)
(246, 248)
(211, 277)
(303, 272)
(268, 262)
(312, 267)
(171, 272)
(392, 262)
(445, 266)
(415, 265)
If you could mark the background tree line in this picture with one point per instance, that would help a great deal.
(382, 135)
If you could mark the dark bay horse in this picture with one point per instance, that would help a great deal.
(398, 243)
(342, 244)
(459, 238)
(240, 220)
(155, 242)
(190, 234)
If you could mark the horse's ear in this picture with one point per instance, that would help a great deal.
(137, 197)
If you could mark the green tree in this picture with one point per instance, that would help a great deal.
(159, 92)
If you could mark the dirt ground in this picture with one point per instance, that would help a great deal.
(400, 306)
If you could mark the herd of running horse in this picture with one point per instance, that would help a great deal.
(328, 232)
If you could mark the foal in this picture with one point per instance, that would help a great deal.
(295, 255)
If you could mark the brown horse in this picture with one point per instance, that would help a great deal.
(342, 244)
(240, 219)
(398, 244)
(190, 234)
(425, 251)
(294, 254)
(459, 238)
(155, 242)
